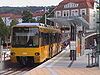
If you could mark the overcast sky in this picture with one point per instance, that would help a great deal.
(29, 2)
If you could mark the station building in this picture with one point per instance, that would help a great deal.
(84, 8)
(78, 8)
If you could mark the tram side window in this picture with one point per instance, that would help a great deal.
(59, 37)
(44, 39)
(47, 38)
(52, 38)
(56, 37)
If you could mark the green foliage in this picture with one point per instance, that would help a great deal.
(4, 31)
(18, 10)
(42, 20)
(26, 16)
(51, 12)
(33, 20)
(13, 22)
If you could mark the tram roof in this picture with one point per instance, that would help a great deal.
(30, 24)
(41, 25)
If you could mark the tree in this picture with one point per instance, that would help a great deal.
(33, 20)
(26, 16)
(42, 19)
(12, 23)
(4, 31)
(51, 11)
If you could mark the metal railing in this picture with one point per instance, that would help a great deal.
(3, 55)
(92, 59)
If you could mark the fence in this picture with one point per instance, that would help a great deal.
(93, 58)
(4, 54)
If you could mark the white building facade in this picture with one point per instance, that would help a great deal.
(84, 8)
(7, 18)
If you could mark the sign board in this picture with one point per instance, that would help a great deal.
(72, 45)
(79, 28)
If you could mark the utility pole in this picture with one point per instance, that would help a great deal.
(98, 37)
(73, 42)
(45, 16)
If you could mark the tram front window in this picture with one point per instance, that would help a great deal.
(25, 37)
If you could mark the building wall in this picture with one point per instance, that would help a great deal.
(6, 20)
(19, 20)
(92, 14)
(88, 12)
(37, 18)
(91, 18)
(58, 14)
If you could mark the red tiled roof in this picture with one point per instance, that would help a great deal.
(82, 4)
(16, 16)
(37, 14)
(12, 16)
(65, 1)
(6, 15)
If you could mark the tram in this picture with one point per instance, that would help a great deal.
(34, 43)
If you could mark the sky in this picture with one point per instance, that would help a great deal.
(19, 3)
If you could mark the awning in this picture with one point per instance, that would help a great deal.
(66, 21)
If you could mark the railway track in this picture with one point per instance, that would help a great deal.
(15, 71)
(9, 68)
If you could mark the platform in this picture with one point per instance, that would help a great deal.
(64, 71)
(62, 65)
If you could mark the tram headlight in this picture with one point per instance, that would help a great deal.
(37, 53)
(13, 53)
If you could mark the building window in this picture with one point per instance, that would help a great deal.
(76, 13)
(72, 13)
(93, 19)
(71, 5)
(58, 13)
(64, 13)
(83, 12)
(67, 13)
(93, 13)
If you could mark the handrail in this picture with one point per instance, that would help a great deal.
(92, 59)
